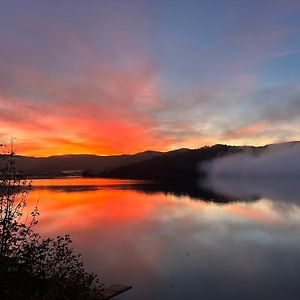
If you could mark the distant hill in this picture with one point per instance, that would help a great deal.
(76, 164)
(173, 165)
(182, 165)
(178, 165)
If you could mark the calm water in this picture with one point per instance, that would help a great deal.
(179, 247)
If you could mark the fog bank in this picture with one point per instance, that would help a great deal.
(275, 161)
(274, 173)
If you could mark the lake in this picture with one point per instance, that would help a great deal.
(178, 246)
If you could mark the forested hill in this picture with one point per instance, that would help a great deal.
(65, 165)
(175, 165)
(184, 164)
(181, 164)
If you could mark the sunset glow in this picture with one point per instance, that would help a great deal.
(115, 77)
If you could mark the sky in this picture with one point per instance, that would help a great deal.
(124, 76)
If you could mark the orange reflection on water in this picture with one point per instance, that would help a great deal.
(83, 204)
(142, 239)
(259, 212)
(79, 181)
(83, 209)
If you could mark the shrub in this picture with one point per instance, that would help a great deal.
(32, 267)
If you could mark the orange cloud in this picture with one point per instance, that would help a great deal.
(106, 112)
(248, 131)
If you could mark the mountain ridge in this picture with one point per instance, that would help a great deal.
(148, 164)
(183, 166)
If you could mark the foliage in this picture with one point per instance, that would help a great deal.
(32, 267)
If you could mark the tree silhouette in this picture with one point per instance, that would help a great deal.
(32, 267)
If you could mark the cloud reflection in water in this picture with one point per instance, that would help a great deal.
(169, 247)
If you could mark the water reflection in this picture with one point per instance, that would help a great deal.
(282, 189)
(194, 190)
(169, 247)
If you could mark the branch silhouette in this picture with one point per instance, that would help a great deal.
(32, 267)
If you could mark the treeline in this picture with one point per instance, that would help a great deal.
(179, 165)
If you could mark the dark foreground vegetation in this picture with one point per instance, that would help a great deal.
(32, 267)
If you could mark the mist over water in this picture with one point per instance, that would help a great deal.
(273, 174)
(280, 161)
(253, 188)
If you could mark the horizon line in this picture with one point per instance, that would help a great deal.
(176, 149)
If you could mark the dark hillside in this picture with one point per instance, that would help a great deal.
(62, 164)
(174, 165)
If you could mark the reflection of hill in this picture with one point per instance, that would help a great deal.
(219, 190)
(192, 190)
(69, 188)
